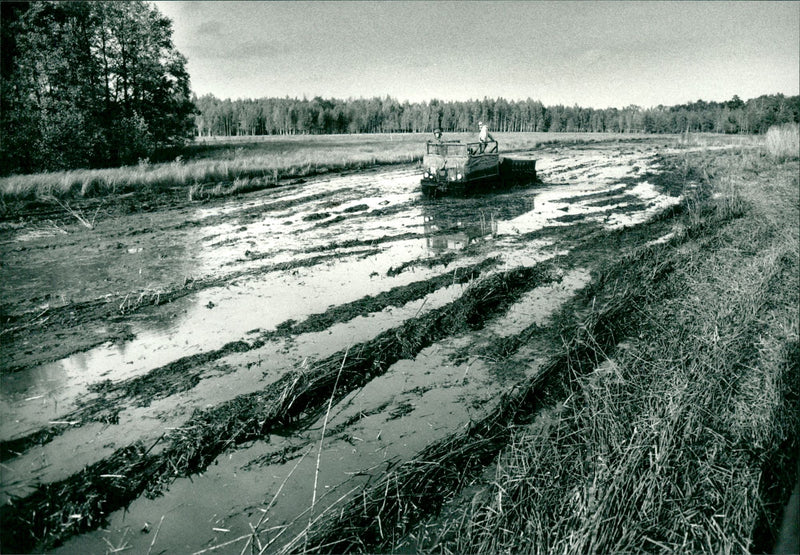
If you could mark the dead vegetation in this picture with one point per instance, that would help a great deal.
(683, 440)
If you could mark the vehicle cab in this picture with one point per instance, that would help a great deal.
(449, 165)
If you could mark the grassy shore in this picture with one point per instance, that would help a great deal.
(232, 169)
(220, 167)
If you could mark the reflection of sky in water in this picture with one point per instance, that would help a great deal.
(284, 235)
(595, 175)
(262, 302)
(212, 317)
(433, 404)
(655, 201)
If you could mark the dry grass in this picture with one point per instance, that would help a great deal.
(668, 423)
(783, 142)
(218, 167)
(678, 442)
(233, 165)
(228, 174)
(706, 140)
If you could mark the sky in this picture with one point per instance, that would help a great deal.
(593, 54)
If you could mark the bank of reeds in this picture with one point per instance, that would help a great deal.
(783, 142)
(204, 177)
(226, 167)
(669, 424)
(381, 518)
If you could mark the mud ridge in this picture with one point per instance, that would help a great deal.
(443, 259)
(114, 308)
(45, 518)
(388, 510)
(385, 513)
(184, 373)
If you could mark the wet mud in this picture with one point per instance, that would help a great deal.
(207, 368)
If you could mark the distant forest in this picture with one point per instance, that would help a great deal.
(271, 116)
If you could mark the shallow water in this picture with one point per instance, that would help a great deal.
(351, 230)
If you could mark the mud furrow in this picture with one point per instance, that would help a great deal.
(183, 374)
(113, 309)
(382, 516)
(183, 351)
(291, 401)
(384, 513)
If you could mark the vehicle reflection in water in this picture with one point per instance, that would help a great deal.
(455, 223)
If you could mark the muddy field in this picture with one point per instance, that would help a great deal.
(187, 373)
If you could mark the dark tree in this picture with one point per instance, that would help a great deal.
(88, 84)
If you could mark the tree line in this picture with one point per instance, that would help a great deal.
(88, 84)
(270, 116)
(100, 83)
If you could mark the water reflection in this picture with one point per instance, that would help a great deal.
(455, 223)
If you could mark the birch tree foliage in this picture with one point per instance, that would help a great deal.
(269, 116)
(90, 84)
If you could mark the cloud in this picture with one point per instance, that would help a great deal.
(225, 46)
(210, 28)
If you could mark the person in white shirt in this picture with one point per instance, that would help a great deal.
(484, 136)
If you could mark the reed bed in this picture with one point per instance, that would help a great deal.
(235, 175)
(382, 516)
(783, 142)
(214, 168)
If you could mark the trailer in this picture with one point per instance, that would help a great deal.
(455, 167)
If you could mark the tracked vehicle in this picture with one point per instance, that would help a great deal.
(456, 167)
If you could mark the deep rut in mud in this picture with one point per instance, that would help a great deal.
(210, 342)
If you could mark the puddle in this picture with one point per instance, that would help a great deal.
(387, 421)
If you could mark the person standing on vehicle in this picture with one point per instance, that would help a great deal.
(484, 137)
(437, 140)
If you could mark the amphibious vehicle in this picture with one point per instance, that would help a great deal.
(456, 167)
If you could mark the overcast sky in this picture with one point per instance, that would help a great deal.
(595, 54)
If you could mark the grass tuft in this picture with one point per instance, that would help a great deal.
(783, 142)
